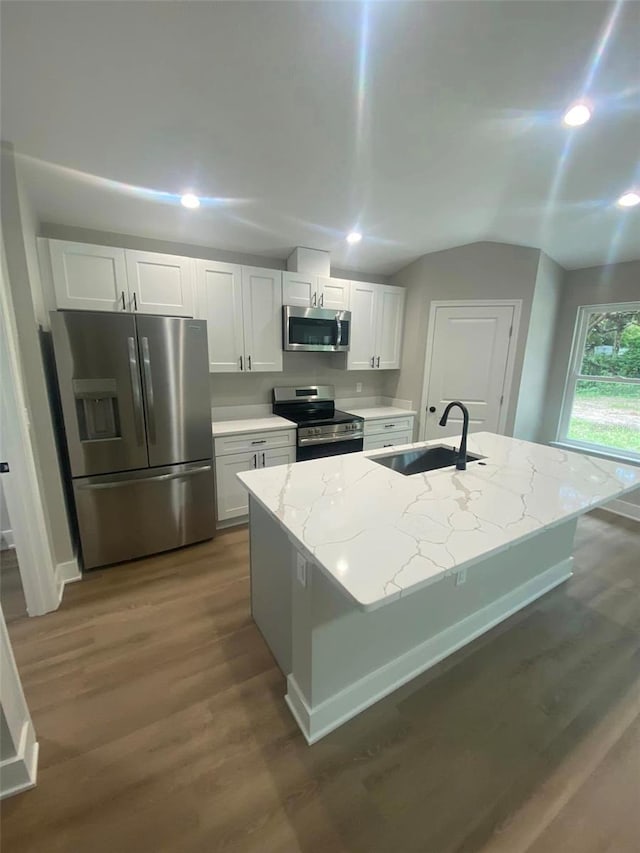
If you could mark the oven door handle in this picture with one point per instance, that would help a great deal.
(305, 442)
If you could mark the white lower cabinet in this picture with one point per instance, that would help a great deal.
(257, 450)
(375, 442)
(390, 432)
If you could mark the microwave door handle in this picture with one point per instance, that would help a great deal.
(338, 331)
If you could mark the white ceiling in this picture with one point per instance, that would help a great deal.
(427, 125)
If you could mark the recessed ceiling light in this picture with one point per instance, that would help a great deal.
(629, 199)
(354, 237)
(576, 115)
(190, 200)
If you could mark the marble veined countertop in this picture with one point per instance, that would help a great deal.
(375, 413)
(264, 424)
(380, 535)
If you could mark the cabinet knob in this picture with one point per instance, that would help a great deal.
(432, 409)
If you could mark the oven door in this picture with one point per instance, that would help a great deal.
(329, 448)
(315, 329)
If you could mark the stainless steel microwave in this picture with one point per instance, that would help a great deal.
(315, 329)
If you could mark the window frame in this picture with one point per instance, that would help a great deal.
(574, 375)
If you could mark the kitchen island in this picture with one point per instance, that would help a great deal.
(362, 578)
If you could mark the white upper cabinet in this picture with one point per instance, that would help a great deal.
(315, 291)
(377, 318)
(389, 327)
(334, 293)
(243, 310)
(300, 290)
(262, 313)
(107, 278)
(219, 302)
(362, 346)
(160, 284)
(87, 277)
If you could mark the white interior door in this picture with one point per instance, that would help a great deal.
(469, 353)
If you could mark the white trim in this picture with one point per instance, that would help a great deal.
(22, 490)
(623, 508)
(317, 722)
(19, 772)
(6, 539)
(507, 384)
(594, 450)
(573, 376)
(68, 572)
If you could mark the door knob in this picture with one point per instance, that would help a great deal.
(432, 409)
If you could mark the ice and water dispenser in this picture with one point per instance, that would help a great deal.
(97, 409)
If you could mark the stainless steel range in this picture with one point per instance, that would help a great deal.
(323, 430)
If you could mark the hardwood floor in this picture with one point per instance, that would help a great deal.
(162, 724)
(11, 592)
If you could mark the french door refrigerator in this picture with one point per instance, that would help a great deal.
(134, 391)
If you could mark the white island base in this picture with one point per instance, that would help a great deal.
(340, 658)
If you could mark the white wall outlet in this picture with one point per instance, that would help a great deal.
(461, 577)
(301, 569)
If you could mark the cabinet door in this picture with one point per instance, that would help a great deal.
(160, 284)
(231, 496)
(363, 326)
(87, 277)
(390, 318)
(300, 289)
(375, 442)
(280, 456)
(262, 313)
(334, 293)
(219, 302)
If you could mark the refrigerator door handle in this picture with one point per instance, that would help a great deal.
(137, 390)
(148, 382)
(161, 477)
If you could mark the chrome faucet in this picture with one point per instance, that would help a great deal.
(461, 463)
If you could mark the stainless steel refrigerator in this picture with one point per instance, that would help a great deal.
(134, 391)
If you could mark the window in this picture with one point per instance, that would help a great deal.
(601, 408)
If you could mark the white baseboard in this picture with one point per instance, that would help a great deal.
(67, 572)
(6, 539)
(232, 522)
(624, 508)
(318, 721)
(19, 772)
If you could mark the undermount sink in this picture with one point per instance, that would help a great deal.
(419, 461)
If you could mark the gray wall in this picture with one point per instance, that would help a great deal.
(299, 368)
(590, 286)
(475, 271)
(532, 396)
(20, 247)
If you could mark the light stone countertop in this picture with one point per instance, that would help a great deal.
(376, 413)
(380, 535)
(264, 424)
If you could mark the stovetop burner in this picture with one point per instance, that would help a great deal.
(313, 409)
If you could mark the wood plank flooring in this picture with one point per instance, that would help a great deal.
(162, 724)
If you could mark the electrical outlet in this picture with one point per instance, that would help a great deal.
(461, 577)
(358, 387)
(301, 569)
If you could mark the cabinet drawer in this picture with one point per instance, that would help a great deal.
(390, 425)
(252, 441)
(394, 439)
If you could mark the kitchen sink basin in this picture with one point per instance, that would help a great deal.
(421, 460)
